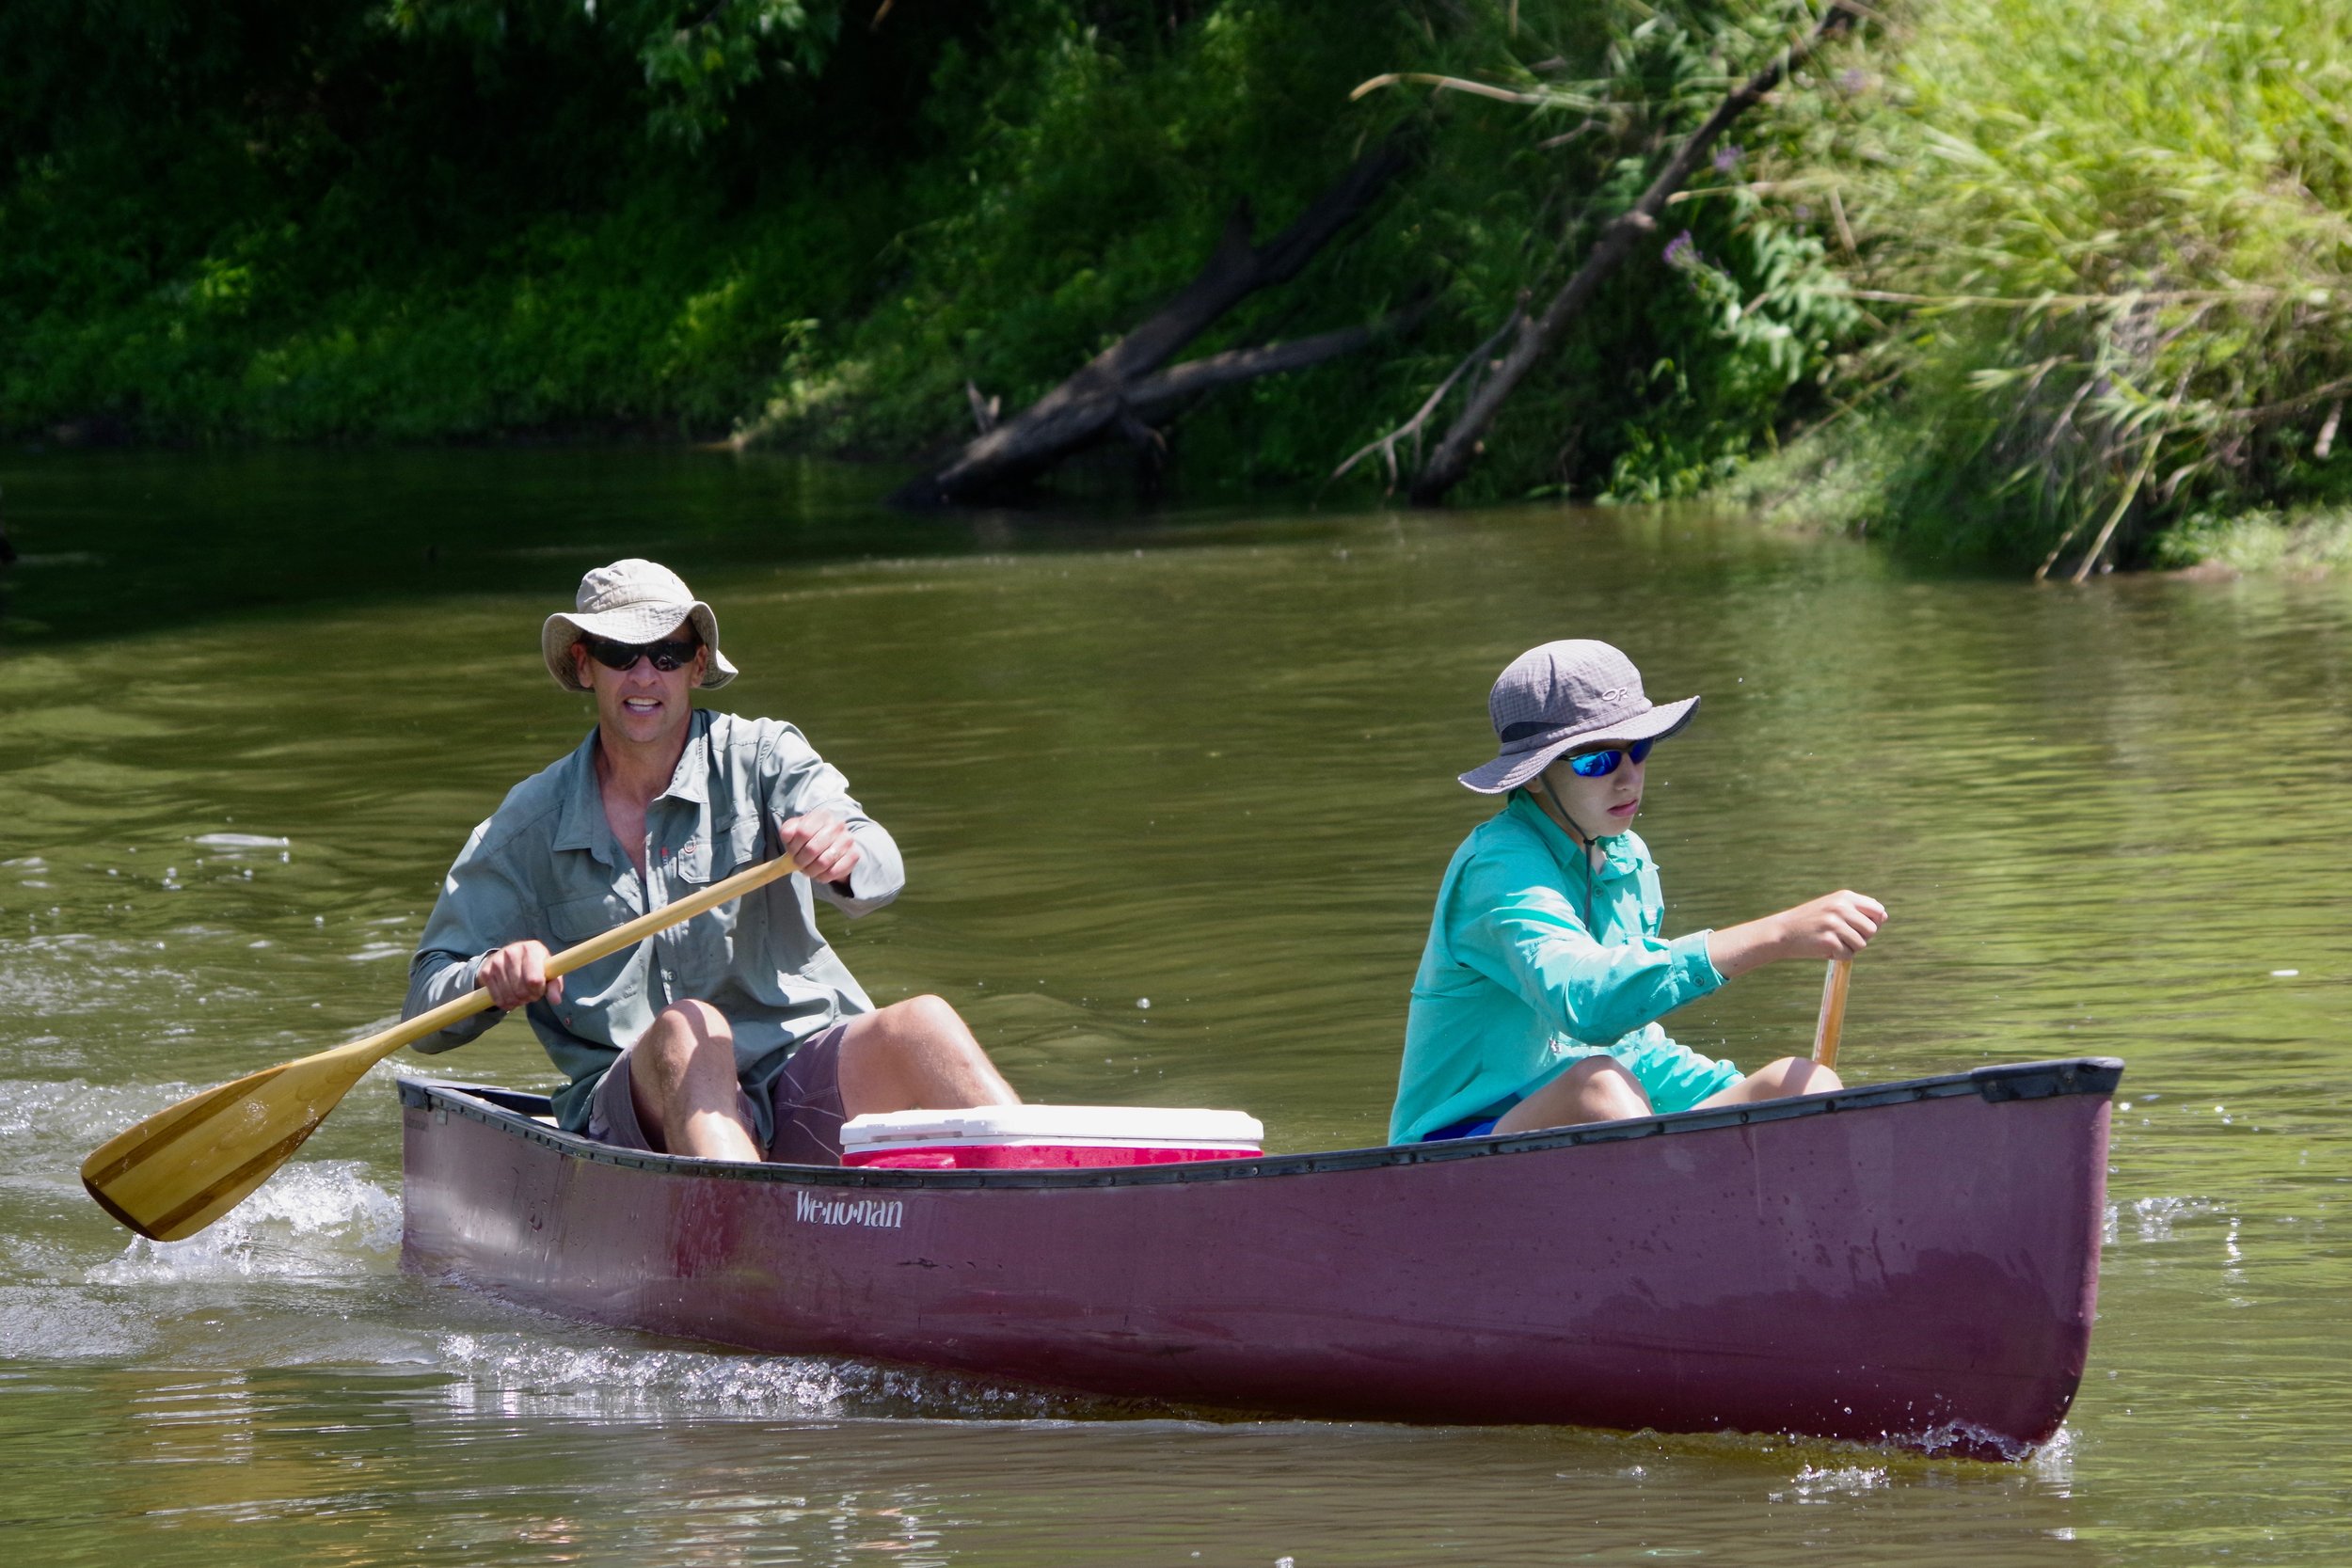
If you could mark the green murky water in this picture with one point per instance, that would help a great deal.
(251, 705)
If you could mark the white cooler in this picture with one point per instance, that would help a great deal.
(1000, 1137)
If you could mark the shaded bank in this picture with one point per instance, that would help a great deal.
(410, 233)
(2094, 297)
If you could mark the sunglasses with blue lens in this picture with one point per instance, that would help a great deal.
(1599, 765)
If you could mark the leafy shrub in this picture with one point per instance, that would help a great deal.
(2111, 239)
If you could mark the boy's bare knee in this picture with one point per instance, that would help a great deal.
(1605, 1080)
(1802, 1075)
(1624, 1093)
(1806, 1076)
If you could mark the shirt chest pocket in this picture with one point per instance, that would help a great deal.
(697, 957)
(1624, 913)
(573, 921)
(736, 845)
(577, 919)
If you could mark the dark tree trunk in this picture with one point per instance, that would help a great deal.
(1466, 439)
(1117, 389)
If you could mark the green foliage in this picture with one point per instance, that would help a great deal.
(2116, 234)
(2075, 260)
(447, 218)
(694, 60)
(455, 218)
(2306, 541)
(1692, 353)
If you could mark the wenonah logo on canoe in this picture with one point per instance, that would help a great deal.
(877, 1213)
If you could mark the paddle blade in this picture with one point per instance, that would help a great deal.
(181, 1168)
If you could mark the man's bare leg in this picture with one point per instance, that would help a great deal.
(682, 1077)
(1776, 1081)
(916, 1055)
(1598, 1088)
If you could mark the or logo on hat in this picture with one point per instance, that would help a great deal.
(1614, 693)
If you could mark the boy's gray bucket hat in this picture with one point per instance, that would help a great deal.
(1576, 693)
(630, 601)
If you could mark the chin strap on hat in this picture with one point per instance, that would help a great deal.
(1585, 861)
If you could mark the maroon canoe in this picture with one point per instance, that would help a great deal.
(1911, 1263)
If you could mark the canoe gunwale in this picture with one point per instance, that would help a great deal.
(511, 1111)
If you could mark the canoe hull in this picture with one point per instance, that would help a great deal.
(1913, 1268)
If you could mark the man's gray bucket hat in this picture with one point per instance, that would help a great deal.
(1578, 694)
(630, 601)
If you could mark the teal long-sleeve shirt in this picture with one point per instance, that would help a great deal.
(1515, 987)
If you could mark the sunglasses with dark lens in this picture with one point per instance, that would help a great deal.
(1599, 765)
(666, 657)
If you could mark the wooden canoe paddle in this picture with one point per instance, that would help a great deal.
(1831, 1022)
(181, 1168)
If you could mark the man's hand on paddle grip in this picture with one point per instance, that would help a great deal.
(517, 974)
(820, 844)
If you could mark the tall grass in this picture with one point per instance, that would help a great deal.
(2109, 246)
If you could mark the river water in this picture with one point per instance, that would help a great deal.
(253, 703)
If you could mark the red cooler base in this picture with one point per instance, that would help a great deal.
(1034, 1157)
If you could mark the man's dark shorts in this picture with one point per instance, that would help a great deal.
(806, 1098)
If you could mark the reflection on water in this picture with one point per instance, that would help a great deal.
(1206, 762)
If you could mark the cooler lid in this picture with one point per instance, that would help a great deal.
(1056, 1123)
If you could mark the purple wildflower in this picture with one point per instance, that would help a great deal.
(1682, 252)
(1727, 158)
(1851, 80)
(1805, 213)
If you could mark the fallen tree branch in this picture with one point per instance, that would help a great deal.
(1455, 84)
(984, 410)
(2131, 299)
(1385, 445)
(1466, 438)
(2131, 491)
(1154, 392)
(1095, 401)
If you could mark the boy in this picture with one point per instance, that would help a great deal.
(1545, 974)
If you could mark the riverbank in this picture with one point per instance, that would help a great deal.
(1851, 479)
(2106, 282)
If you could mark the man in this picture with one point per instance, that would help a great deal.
(738, 1034)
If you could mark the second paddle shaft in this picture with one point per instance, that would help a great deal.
(1832, 1019)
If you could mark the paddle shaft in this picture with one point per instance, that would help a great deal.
(176, 1172)
(478, 1000)
(1832, 1019)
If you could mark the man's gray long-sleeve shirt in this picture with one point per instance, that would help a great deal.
(546, 867)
